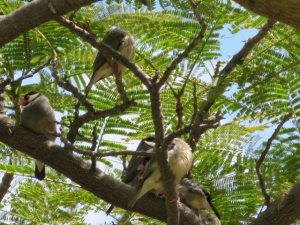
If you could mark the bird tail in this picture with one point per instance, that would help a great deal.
(134, 199)
(88, 88)
(110, 209)
(215, 210)
(39, 170)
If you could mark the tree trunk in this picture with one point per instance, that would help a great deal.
(284, 11)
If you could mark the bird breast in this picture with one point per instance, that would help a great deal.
(180, 159)
(128, 47)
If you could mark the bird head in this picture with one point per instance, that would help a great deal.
(29, 98)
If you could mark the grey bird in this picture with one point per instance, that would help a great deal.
(195, 196)
(208, 219)
(136, 165)
(39, 117)
(180, 160)
(120, 41)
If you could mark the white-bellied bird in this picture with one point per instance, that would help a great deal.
(136, 165)
(39, 117)
(120, 41)
(180, 160)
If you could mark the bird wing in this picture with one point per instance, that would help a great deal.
(113, 40)
(132, 169)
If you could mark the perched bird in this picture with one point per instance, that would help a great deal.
(195, 196)
(120, 41)
(208, 219)
(180, 159)
(134, 167)
(39, 117)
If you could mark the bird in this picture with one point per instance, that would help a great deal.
(180, 160)
(39, 117)
(119, 40)
(195, 196)
(208, 219)
(136, 164)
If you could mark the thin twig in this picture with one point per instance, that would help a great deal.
(91, 114)
(263, 156)
(119, 82)
(69, 146)
(9, 81)
(220, 85)
(65, 84)
(86, 139)
(189, 48)
(195, 102)
(93, 148)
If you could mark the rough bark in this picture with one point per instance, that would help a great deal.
(284, 11)
(34, 14)
(78, 170)
(283, 211)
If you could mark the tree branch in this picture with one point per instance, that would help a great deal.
(189, 48)
(93, 148)
(263, 155)
(77, 169)
(34, 14)
(66, 85)
(285, 210)
(220, 85)
(5, 184)
(287, 13)
(91, 116)
(94, 154)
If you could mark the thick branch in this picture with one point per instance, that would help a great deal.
(287, 13)
(263, 155)
(283, 211)
(77, 169)
(34, 14)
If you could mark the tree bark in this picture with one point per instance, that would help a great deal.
(78, 170)
(284, 11)
(284, 210)
(34, 14)
(5, 184)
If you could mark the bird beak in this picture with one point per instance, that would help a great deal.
(23, 102)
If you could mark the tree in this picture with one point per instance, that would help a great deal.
(163, 94)
(286, 13)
